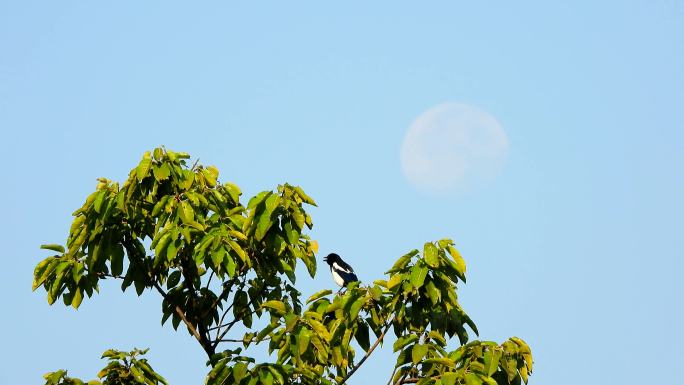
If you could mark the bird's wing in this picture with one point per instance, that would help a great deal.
(346, 276)
(343, 266)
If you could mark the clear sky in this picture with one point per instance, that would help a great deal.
(575, 245)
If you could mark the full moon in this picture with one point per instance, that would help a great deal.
(452, 147)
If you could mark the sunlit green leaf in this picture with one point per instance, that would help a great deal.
(144, 167)
(431, 255)
(276, 305)
(418, 352)
(53, 247)
(319, 294)
(418, 274)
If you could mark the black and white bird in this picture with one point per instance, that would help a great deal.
(342, 273)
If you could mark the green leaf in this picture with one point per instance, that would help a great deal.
(437, 336)
(356, 307)
(303, 340)
(418, 352)
(394, 281)
(403, 341)
(117, 260)
(173, 280)
(233, 191)
(402, 262)
(276, 305)
(449, 378)
(161, 172)
(240, 252)
(239, 371)
(432, 292)
(144, 166)
(460, 263)
(472, 379)
(320, 329)
(263, 225)
(187, 214)
(418, 274)
(230, 265)
(77, 298)
(431, 255)
(211, 174)
(304, 197)
(99, 199)
(362, 336)
(441, 361)
(318, 295)
(53, 247)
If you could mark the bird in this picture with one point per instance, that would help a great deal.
(342, 273)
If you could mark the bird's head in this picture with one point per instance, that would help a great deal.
(331, 258)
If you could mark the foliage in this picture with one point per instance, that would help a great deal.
(123, 369)
(174, 229)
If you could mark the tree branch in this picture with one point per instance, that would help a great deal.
(403, 378)
(180, 312)
(392, 376)
(242, 340)
(368, 353)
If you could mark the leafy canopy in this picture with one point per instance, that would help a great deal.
(174, 230)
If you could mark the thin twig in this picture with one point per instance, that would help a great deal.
(242, 340)
(210, 277)
(234, 321)
(392, 376)
(368, 353)
(225, 312)
(403, 377)
(230, 325)
(180, 312)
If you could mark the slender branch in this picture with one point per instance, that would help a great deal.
(210, 277)
(225, 312)
(392, 376)
(227, 288)
(403, 377)
(368, 353)
(138, 259)
(234, 321)
(410, 380)
(230, 325)
(180, 312)
(242, 340)
(413, 380)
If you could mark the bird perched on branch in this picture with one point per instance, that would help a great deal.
(342, 273)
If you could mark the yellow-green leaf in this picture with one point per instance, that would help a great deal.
(77, 298)
(320, 329)
(418, 352)
(418, 274)
(144, 166)
(394, 281)
(430, 253)
(161, 172)
(318, 295)
(275, 305)
(460, 263)
(53, 247)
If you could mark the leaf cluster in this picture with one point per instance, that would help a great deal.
(123, 368)
(172, 228)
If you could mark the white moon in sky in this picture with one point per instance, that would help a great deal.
(452, 146)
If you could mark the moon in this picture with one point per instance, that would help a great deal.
(452, 147)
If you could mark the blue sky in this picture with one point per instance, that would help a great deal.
(575, 246)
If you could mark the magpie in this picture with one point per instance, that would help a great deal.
(342, 273)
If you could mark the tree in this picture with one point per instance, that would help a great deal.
(174, 229)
